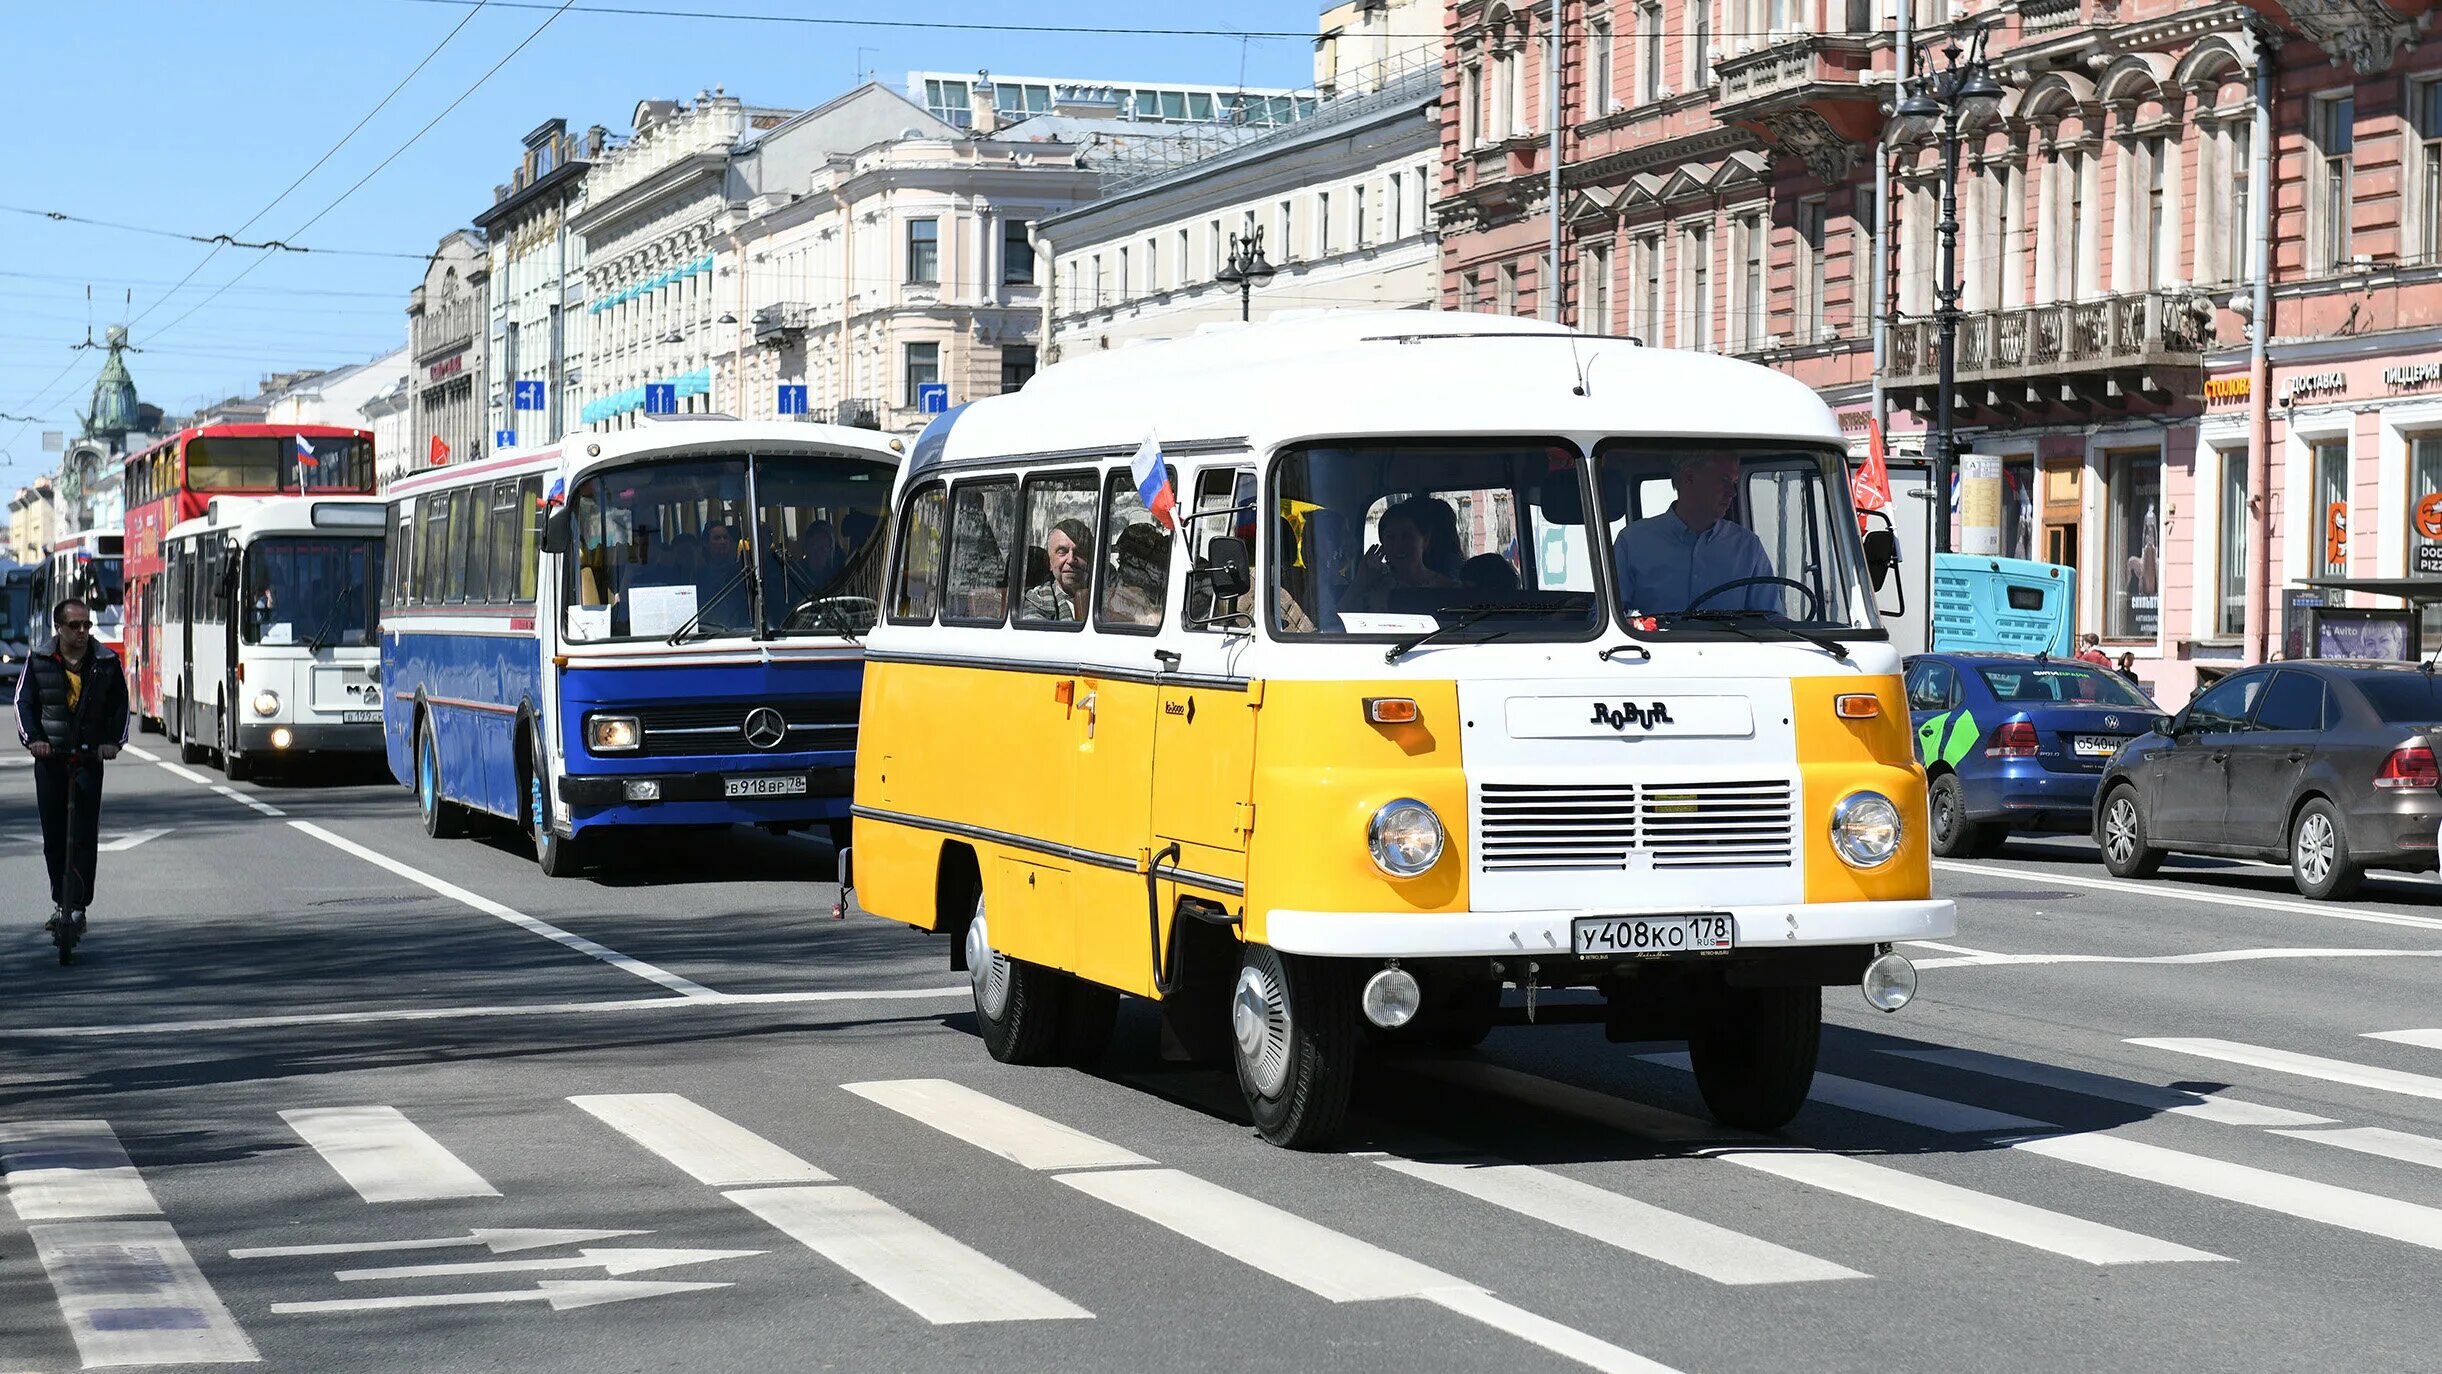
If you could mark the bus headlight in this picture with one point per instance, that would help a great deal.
(1866, 829)
(267, 703)
(1406, 838)
(612, 734)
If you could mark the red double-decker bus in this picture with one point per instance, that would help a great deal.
(181, 476)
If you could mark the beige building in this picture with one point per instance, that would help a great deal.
(33, 520)
(445, 364)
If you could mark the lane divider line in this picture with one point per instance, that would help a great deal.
(2228, 1111)
(346, 1018)
(2343, 1071)
(2171, 891)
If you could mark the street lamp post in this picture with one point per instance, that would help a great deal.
(1964, 86)
(1246, 269)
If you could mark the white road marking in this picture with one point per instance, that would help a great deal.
(1897, 1104)
(384, 1156)
(116, 844)
(2203, 1106)
(561, 1295)
(243, 800)
(184, 772)
(132, 1295)
(709, 1147)
(2173, 892)
(1965, 1208)
(2210, 956)
(1016, 1135)
(70, 1170)
(2374, 1140)
(500, 1241)
(939, 1279)
(345, 1018)
(522, 921)
(143, 753)
(2424, 1039)
(1966, 955)
(1624, 1223)
(610, 1261)
(2343, 1071)
(2287, 1194)
(1565, 1341)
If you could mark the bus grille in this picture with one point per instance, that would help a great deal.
(1681, 825)
(720, 727)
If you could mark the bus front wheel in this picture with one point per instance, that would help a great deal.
(1293, 1031)
(1019, 1006)
(1754, 1056)
(557, 855)
(440, 816)
(233, 765)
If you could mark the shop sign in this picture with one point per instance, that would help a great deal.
(2315, 384)
(2413, 374)
(2229, 388)
(450, 366)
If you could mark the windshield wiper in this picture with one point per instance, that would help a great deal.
(1736, 620)
(817, 597)
(1467, 615)
(681, 634)
(314, 643)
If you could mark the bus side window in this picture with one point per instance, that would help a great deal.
(459, 543)
(432, 543)
(917, 594)
(529, 536)
(1135, 563)
(1059, 558)
(983, 529)
(504, 544)
(1223, 508)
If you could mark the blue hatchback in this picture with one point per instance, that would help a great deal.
(2015, 743)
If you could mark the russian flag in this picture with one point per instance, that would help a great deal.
(1153, 483)
(557, 494)
(305, 454)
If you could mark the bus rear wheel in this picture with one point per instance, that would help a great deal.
(1754, 1056)
(1020, 1007)
(1293, 1029)
(441, 818)
(188, 750)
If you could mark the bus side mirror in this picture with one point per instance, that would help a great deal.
(1228, 575)
(556, 529)
(1881, 555)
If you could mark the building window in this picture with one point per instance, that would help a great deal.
(1700, 45)
(1213, 240)
(1184, 256)
(923, 369)
(1470, 108)
(2161, 253)
(1751, 297)
(1017, 253)
(2332, 131)
(2425, 520)
(2425, 112)
(1123, 276)
(1471, 292)
(1812, 274)
(2232, 617)
(1356, 207)
(1505, 299)
(1594, 278)
(2238, 137)
(1648, 304)
(1322, 224)
(1598, 38)
(1284, 226)
(924, 252)
(1395, 210)
(1017, 365)
(2132, 561)
(1649, 54)
(1696, 248)
(2331, 509)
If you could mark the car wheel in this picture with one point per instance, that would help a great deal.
(1293, 1024)
(2319, 853)
(1954, 835)
(2121, 833)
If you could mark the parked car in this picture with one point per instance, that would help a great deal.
(2327, 763)
(2012, 742)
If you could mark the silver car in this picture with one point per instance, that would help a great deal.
(2326, 763)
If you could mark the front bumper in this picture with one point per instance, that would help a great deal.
(1461, 934)
(310, 737)
(702, 786)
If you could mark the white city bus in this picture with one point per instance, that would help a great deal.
(267, 630)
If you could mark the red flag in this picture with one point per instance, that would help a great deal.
(440, 451)
(1869, 487)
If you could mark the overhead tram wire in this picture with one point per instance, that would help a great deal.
(218, 241)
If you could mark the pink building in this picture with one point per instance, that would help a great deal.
(1718, 191)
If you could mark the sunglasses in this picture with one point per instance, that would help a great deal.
(76, 624)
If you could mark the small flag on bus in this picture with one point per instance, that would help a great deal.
(1153, 482)
(305, 453)
(557, 494)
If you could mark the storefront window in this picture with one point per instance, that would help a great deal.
(2331, 508)
(2425, 523)
(2132, 566)
(2231, 618)
(2018, 507)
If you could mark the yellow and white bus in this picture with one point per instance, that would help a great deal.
(1487, 660)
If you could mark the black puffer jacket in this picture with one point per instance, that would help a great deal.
(100, 716)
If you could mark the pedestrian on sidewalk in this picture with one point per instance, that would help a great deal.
(2091, 649)
(72, 717)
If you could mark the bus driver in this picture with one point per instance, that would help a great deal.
(1667, 562)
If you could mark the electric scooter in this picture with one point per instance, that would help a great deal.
(64, 932)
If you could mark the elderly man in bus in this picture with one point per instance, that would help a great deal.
(1066, 550)
(1667, 562)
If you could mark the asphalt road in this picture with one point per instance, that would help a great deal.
(316, 1076)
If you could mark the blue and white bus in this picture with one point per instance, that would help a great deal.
(657, 627)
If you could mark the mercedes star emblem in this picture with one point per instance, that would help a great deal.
(765, 728)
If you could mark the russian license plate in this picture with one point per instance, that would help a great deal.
(1700, 933)
(361, 717)
(790, 786)
(2095, 746)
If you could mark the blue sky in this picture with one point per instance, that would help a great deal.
(189, 115)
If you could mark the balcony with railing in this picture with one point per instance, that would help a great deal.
(1813, 94)
(2039, 17)
(2112, 354)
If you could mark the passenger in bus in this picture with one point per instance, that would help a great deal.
(1061, 596)
(1140, 562)
(1488, 572)
(817, 554)
(1398, 563)
(1667, 562)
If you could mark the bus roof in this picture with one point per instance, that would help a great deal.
(253, 517)
(675, 436)
(1354, 373)
(251, 431)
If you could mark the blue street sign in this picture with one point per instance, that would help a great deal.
(661, 398)
(933, 398)
(792, 399)
(504, 438)
(529, 395)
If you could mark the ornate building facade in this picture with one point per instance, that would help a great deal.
(535, 330)
(446, 362)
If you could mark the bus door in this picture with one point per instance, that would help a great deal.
(1204, 736)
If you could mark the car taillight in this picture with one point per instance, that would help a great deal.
(2410, 766)
(2015, 740)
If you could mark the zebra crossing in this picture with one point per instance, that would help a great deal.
(135, 1284)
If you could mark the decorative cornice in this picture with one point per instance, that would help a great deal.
(1669, 153)
(2363, 33)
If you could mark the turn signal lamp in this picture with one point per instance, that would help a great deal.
(1392, 711)
(2409, 766)
(2015, 740)
(1857, 706)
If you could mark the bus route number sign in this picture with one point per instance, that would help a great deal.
(1693, 933)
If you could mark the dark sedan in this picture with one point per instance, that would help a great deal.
(2327, 763)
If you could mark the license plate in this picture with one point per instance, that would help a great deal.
(764, 787)
(2095, 746)
(361, 717)
(1693, 934)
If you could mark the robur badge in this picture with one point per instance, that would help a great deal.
(1628, 713)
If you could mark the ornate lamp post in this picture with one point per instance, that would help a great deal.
(1246, 269)
(1963, 87)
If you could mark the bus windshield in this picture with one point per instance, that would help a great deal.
(273, 463)
(675, 547)
(317, 592)
(1728, 539)
(17, 604)
(1407, 537)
